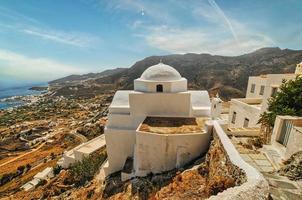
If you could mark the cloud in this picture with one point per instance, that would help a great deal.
(220, 12)
(30, 26)
(22, 67)
(70, 38)
(221, 35)
(197, 40)
(16, 16)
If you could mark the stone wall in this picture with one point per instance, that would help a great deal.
(255, 187)
(219, 171)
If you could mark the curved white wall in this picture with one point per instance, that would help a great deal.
(162, 152)
(168, 86)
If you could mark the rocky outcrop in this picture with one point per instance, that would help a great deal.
(219, 171)
(293, 167)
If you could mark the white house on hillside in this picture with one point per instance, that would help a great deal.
(157, 126)
(245, 112)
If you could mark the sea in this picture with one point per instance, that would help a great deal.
(16, 91)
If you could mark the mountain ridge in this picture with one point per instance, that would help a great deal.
(227, 75)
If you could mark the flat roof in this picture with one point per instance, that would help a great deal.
(121, 98)
(43, 174)
(173, 125)
(92, 145)
(253, 102)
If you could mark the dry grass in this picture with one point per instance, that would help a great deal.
(173, 125)
(10, 157)
(30, 158)
(18, 182)
(187, 185)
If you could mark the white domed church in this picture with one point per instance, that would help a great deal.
(156, 127)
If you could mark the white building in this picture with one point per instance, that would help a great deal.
(46, 174)
(245, 112)
(157, 126)
(216, 107)
(31, 185)
(81, 151)
(286, 138)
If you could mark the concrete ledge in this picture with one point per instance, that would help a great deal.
(82, 150)
(256, 186)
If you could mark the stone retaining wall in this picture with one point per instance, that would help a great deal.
(256, 187)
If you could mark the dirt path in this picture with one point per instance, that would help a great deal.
(25, 154)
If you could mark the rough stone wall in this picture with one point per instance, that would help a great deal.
(255, 187)
(219, 171)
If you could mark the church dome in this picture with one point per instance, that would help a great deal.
(160, 72)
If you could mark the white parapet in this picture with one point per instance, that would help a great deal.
(256, 186)
(81, 151)
(47, 173)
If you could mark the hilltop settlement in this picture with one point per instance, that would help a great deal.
(166, 128)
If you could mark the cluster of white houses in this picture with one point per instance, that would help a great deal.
(244, 113)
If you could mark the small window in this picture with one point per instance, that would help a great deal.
(261, 90)
(234, 117)
(246, 122)
(159, 88)
(253, 88)
(274, 91)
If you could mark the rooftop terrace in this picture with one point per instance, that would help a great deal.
(173, 125)
(253, 102)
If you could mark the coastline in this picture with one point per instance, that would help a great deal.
(15, 97)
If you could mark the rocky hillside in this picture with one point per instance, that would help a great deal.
(77, 78)
(226, 74)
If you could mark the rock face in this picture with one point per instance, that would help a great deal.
(293, 167)
(228, 75)
(218, 170)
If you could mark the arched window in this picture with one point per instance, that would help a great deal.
(159, 88)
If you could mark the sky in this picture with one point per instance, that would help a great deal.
(44, 40)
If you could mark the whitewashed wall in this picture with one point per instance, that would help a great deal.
(162, 152)
(168, 86)
(243, 111)
(164, 104)
(119, 145)
(294, 143)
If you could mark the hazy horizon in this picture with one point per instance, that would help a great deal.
(44, 40)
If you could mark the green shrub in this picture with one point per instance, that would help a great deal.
(287, 101)
(83, 171)
(57, 169)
